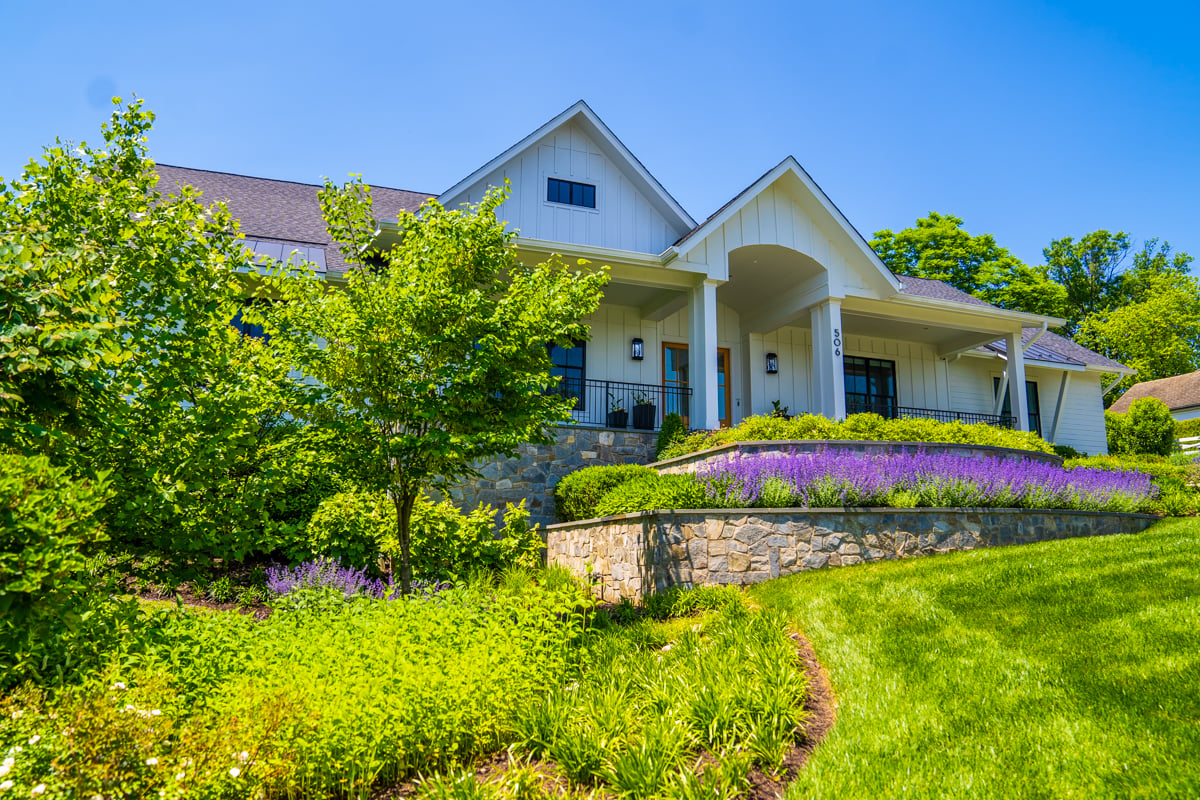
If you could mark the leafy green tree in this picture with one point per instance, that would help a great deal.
(1158, 335)
(939, 247)
(116, 353)
(1089, 269)
(434, 354)
(1153, 260)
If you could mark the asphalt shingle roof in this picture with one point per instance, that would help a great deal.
(281, 211)
(937, 290)
(1178, 392)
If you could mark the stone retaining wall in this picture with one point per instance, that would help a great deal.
(692, 461)
(537, 469)
(635, 554)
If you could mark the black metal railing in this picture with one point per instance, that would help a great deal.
(892, 411)
(619, 404)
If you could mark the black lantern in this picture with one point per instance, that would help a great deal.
(639, 350)
(772, 364)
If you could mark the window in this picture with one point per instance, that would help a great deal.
(247, 329)
(571, 193)
(870, 386)
(569, 363)
(1031, 400)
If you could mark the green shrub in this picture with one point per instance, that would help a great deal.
(679, 602)
(866, 427)
(576, 495)
(651, 492)
(47, 530)
(1187, 428)
(1065, 451)
(448, 545)
(1168, 474)
(1114, 432)
(350, 528)
(1149, 428)
(672, 430)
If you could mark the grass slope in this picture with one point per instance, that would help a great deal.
(1062, 669)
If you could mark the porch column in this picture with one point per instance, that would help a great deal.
(1015, 372)
(702, 356)
(829, 383)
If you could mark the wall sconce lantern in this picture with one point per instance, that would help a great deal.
(772, 364)
(639, 350)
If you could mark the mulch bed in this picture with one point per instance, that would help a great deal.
(820, 705)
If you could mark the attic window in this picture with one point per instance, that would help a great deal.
(571, 193)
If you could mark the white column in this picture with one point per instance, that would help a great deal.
(829, 383)
(702, 356)
(1015, 371)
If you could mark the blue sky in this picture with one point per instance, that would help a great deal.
(1031, 120)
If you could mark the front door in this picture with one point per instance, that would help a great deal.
(675, 377)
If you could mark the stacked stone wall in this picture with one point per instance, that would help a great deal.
(636, 554)
(537, 469)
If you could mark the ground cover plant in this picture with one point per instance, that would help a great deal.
(1060, 669)
(867, 427)
(339, 692)
(836, 479)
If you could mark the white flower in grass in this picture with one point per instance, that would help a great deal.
(39, 789)
(155, 712)
(243, 757)
(234, 772)
(4, 787)
(6, 766)
(180, 776)
(152, 762)
(117, 685)
(18, 714)
(666, 648)
(35, 738)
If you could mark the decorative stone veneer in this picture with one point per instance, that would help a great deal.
(537, 469)
(635, 554)
(692, 461)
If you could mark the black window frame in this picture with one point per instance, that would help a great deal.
(246, 329)
(569, 385)
(885, 405)
(570, 193)
(1032, 403)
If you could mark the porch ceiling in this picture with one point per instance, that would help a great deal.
(759, 274)
(920, 332)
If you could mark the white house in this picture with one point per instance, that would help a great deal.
(775, 298)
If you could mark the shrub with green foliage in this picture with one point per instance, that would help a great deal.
(866, 427)
(47, 530)
(1148, 428)
(1065, 451)
(1187, 428)
(576, 495)
(1177, 477)
(672, 430)
(349, 527)
(651, 492)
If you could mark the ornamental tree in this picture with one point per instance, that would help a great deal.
(433, 355)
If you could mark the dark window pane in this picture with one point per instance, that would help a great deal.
(589, 196)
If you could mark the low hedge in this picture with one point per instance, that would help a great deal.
(652, 492)
(576, 495)
(866, 427)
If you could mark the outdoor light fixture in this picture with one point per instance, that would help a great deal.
(639, 351)
(772, 364)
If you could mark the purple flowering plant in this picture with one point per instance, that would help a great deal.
(831, 479)
(328, 575)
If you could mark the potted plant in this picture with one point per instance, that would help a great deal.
(618, 415)
(643, 411)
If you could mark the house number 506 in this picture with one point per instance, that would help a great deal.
(837, 341)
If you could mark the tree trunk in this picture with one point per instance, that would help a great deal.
(404, 505)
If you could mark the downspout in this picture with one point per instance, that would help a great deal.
(1115, 380)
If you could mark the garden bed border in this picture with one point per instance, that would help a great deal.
(631, 555)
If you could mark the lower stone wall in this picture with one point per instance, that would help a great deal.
(636, 554)
(537, 469)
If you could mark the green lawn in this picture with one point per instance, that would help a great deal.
(1063, 669)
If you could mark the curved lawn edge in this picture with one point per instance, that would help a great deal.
(633, 555)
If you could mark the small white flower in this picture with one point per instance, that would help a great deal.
(118, 685)
(35, 739)
(18, 714)
(666, 648)
(39, 789)
(180, 776)
(151, 762)
(234, 772)
(129, 707)
(243, 756)
(5, 768)
(4, 787)
(155, 712)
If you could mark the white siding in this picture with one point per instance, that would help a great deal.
(792, 385)
(623, 218)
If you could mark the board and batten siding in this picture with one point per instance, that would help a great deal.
(775, 217)
(623, 219)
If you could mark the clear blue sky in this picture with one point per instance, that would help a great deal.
(1031, 120)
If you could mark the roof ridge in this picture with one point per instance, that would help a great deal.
(281, 180)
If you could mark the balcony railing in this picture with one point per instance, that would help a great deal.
(892, 411)
(618, 404)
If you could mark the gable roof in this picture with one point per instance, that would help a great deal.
(789, 166)
(580, 112)
(283, 212)
(1180, 391)
(937, 290)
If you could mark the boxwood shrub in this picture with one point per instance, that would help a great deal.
(576, 495)
(651, 492)
(865, 427)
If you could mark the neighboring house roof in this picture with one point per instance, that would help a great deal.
(282, 212)
(1181, 391)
